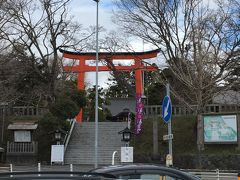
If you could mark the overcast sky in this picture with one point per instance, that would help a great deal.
(84, 11)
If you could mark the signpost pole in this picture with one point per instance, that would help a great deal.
(96, 93)
(169, 124)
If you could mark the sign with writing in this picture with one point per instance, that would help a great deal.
(126, 154)
(220, 128)
(57, 154)
(167, 137)
(139, 113)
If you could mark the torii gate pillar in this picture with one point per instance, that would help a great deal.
(138, 67)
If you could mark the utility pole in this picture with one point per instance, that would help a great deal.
(167, 115)
(96, 91)
(169, 124)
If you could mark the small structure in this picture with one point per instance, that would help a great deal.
(122, 116)
(117, 105)
(22, 147)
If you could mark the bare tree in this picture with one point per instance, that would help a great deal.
(113, 42)
(116, 42)
(198, 43)
(42, 27)
(193, 39)
(4, 19)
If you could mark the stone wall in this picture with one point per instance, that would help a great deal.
(193, 161)
(22, 160)
(223, 162)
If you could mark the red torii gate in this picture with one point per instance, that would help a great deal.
(82, 67)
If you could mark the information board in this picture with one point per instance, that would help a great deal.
(126, 154)
(220, 128)
(57, 154)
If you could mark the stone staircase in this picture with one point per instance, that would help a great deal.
(81, 147)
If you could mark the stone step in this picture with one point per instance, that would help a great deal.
(81, 147)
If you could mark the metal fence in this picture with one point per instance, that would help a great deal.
(39, 167)
(5, 169)
(215, 175)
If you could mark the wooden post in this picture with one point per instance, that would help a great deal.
(155, 137)
(238, 127)
(200, 141)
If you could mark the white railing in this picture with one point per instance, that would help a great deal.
(203, 174)
(66, 140)
(215, 175)
(6, 168)
(113, 157)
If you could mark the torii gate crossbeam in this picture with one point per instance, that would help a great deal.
(138, 67)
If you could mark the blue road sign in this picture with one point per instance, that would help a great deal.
(166, 109)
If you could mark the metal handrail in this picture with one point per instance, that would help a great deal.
(113, 157)
(6, 168)
(66, 140)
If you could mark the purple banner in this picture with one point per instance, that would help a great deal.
(139, 114)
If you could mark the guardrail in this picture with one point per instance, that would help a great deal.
(215, 175)
(204, 175)
(6, 168)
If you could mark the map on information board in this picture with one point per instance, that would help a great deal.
(220, 128)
